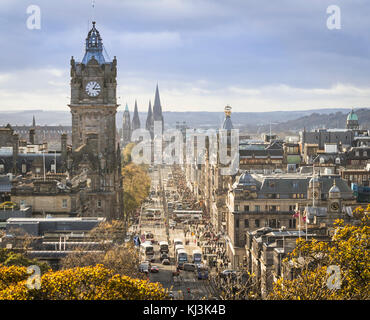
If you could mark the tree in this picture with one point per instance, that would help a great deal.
(136, 187)
(10, 258)
(87, 283)
(349, 250)
(123, 260)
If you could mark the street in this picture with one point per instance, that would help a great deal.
(186, 285)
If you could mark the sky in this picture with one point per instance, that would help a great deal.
(255, 55)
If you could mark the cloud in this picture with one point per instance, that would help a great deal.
(204, 53)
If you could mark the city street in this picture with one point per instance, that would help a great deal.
(186, 285)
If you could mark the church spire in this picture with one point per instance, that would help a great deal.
(157, 108)
(149, 118)
(135, 118)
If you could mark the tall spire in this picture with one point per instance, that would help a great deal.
(33, 122)
(135, 118)
(149, 118)
(157, 108)
(126, 126)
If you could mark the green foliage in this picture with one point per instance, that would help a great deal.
(10, 258)
(349, 249)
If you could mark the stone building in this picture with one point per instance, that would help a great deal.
(126, 127)
(257, 200)
(95, 148)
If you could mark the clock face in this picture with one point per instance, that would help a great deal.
(93, 88)
(334, 206)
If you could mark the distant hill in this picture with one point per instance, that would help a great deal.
(250, 121)
(318, 120)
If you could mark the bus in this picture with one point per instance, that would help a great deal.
(163, 247)
(177, 248)
(188, 214)
(181, 258)
(147, 251)
(176, 242)
(197, 256)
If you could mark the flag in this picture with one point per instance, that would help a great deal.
(296, 214)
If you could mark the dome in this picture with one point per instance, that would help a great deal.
(246, 179)
(352, 116)
(334, 188)
(315, 179)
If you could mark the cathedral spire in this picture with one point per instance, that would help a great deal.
(135, 118)
(149, 118)
(157, 108)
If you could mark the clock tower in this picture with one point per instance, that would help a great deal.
(95, 148)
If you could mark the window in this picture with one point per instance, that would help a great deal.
(237, 223)
(22, 202)
(246, 208)
(2, 169)
(24, 168)
(38, 170)
(292, 223)
(257, 208)
(257, 223)
(99, 204)
(273, 223)
(246, 223)
(236, 208)
(292, 208)
(64, 203)
(365, 153)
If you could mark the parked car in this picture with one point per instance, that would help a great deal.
(154, 269)
(189, 267)
(166, 262)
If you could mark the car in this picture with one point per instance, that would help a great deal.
(154, 269)
(227, 273)
(166, 262)
(164, 256)
(189, 267)
(144, 267)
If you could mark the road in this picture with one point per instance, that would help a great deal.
(186, 286)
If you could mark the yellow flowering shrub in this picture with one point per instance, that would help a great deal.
(82, 283)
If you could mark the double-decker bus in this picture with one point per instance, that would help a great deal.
(147, 251)
(163, 247)
(181, 258)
